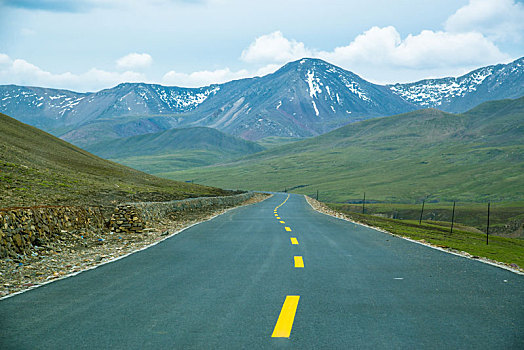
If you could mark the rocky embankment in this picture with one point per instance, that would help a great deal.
(42, 244)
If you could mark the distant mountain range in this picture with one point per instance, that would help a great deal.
(302, 99)
(467, 91)
(175, 149)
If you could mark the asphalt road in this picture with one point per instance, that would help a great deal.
(223, 283)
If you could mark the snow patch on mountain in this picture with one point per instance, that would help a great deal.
(315, 107)
(431, 93)
(313, 84)
(186, 99)
(354, 87)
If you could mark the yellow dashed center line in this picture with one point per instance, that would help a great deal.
(289, 309)
(286, 317)
(299, 262)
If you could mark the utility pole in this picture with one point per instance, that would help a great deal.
(487, 227)
(364, 203)
(317, 195)
(421, 212)
(452, 217)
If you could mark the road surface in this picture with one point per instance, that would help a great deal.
(273, 275)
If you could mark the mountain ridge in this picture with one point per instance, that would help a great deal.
(304, 98)
(458, 94)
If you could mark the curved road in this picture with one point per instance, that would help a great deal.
(232, 283)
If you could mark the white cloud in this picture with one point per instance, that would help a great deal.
(203, 78)
(274, 47)
(218, 76)
(382, 51)
(4, 60)
(371, 47)
(429, 49)
(497, 19)
(134, 61)
(442, 49)
(21, 72)
(380, 54)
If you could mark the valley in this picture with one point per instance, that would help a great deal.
(309, 127)
(422, 155)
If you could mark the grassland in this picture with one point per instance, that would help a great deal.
(175, 160)
(506, 250)
(472, 157)
(37, 168)
(274, 141)
(506, 219)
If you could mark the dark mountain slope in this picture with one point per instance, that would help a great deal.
(200, 138)
(175, 149)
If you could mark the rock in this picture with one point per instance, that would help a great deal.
(17, 240)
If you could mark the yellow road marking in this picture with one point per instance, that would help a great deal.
(299, 262)
(278, 218)
(282, 222)
(276, 215)
(288, 229)
(281, 204)
(286, 317)
(293, 240)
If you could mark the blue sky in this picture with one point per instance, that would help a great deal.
(87, 45)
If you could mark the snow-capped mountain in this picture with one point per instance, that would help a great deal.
(304, 98)
(40, 107)
(49, 108)
(465, 92)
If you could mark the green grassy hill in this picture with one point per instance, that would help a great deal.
(37, 168)
(175, 149)
(426, 154)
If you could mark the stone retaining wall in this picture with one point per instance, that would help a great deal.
(126, 218)
(151, 212)
(23, 228)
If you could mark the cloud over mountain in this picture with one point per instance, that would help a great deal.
(134, 61)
